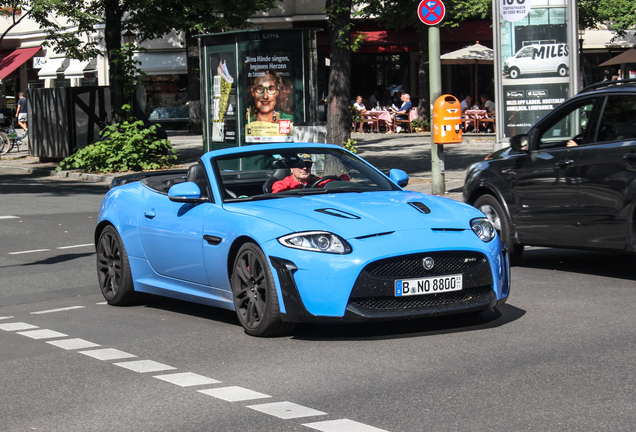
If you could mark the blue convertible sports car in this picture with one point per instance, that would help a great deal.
(345, 243)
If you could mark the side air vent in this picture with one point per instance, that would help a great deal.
(337, 213)
(420, 207)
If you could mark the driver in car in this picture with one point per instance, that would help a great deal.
(300, 177)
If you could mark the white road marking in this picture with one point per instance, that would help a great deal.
(187, 379)
(70, 344)
(107, 354)
(9, 217)
(143, 366)
(76, 246)
(42, 334)
(57, 310)
(17, 326)
(29, 251)
(286, 410)
(234, 394)
(342, 425)
(7, 317)
(102, 303)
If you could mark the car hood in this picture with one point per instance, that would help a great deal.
(353, 215)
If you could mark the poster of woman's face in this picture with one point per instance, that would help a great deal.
(269, 113)
(265, 91)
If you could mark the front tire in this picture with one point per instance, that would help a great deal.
(113, 270)
(5, 144)
(255, 297)
(490, 206)
(514, 73)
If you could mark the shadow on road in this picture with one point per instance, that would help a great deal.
(606, 264)
(19, 184)
(494, 318)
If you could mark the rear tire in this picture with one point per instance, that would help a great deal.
(562, 70)
(5, 144)
(113, 270)
(255, 297)
(490, 206)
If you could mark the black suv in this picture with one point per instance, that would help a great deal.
(570, 181)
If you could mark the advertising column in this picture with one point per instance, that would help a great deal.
(535, 55)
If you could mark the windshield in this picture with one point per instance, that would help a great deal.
(296, 172)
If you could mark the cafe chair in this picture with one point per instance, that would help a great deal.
(488, 118)
(407, 122)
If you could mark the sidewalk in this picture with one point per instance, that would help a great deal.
(409, 152)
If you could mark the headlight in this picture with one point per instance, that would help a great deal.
(319, 241)
(483, 228)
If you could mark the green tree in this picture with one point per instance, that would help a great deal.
(193, 18)
(339, 86)
(619, 14)
(71, 24)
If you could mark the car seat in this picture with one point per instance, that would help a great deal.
(197, 174)
(278, 174)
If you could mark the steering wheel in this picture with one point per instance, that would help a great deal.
(323, 179)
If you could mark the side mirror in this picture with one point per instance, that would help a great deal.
(399, 177)
(519, 142)
(187, 192)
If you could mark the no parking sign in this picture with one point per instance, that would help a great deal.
(431, 12)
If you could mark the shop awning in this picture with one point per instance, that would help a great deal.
(52, 67)
(163, 63)
(77, 68)
(16, 59)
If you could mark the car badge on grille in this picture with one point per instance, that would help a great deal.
(428, 263)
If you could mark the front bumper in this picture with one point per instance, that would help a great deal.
(373, 294)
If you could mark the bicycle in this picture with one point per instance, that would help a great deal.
(9, 138)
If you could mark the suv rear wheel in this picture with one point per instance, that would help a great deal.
(493, 210)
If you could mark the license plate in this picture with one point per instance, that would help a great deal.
(428, 285)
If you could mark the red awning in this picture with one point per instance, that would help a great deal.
(15, 59)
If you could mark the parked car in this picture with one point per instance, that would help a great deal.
(170, 114)
(549, 58)
(352, 246)
(570, 180)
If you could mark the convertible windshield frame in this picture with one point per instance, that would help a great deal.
(241, 176)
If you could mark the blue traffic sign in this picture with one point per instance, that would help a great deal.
(431, 12)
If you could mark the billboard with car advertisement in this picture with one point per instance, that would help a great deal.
(535, 56)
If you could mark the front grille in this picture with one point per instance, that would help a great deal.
(474, 295)
(412, 266)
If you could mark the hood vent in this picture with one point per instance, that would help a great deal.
(420, 207)
(374, 235)
(337, 213)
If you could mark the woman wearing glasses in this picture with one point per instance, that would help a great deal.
(265, 92)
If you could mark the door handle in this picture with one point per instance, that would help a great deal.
(507, 171)
(629, 156)
(150, 214)
(564, 163)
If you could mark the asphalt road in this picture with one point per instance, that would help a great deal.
(557, 357)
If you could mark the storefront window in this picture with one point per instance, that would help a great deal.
(166, 98)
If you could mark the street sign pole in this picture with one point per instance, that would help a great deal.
(431, 13)
(438, 186)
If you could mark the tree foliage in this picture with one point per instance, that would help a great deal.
(620, 15)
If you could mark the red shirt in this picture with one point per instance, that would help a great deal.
(289, 183)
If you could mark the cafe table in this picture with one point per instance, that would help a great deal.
(473, 116)
(382, 115)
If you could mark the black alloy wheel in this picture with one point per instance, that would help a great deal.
(113, 270)
(255, 295)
